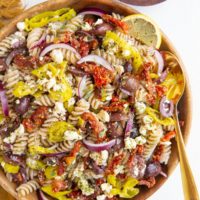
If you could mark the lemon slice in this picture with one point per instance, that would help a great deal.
(143, 29)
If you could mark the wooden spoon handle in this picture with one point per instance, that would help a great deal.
(189, 185)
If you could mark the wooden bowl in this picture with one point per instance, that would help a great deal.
(114, 6)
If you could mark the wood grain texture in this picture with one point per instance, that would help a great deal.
(114, 6)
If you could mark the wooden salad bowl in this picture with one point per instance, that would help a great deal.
(114, 6)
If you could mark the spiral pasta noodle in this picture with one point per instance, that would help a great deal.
(44, 100)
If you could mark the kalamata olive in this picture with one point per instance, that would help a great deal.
(139, 166)
(118, 116)
(22, 105)
(128, 67)
(115, 129)
(14, 159)
(3, 65)
(153, 169)
(101, 29)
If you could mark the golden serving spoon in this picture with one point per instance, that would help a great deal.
(188, 182)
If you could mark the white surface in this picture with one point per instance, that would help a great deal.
(180, 20)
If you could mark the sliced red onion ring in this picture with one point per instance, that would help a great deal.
(55, 154)
(96, 59)
(92, 11)
(58, 46)
(162, 76)
(99, 147)
(12, 55)
(4, 100)
(166, 107)
(40, 41)
(160, 61)
(82, 86)
(125, 91)
(41, 195)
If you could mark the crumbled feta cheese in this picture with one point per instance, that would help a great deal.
(18, 132)
(49, 74)
(101, 197)
(119, 169)
(140, 107)
(17, 101)
(106, 187)
(130, 143)
(51, 83)
(69, 78)
(86, 26)
(55, 26)
(84, 186)
(147, 119)
(14, 41)
(103, 116)
(140, 140)
(135, 171)
(57, 87)
(59, 108)
(57, 56)
(20, 35)
(41, 58)
(119, 69)
(21, 26)
(99, 21)
(100, 157)
(126, 53)
(72, 135)
(71, 101)
(143, 130)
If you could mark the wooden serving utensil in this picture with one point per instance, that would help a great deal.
(143, 2)
(188, 182)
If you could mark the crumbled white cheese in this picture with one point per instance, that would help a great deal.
(57, 56)
(71, 102)
(106, 187)
(99, 21)
(126, 53)
(84, 186)
(100, 157)
(41, 58)
(130, 143)
(51, 83)
(20, 35)
(147, 119)
(17, 101)
(14, 41)
(72, 135)
(140, 140)
(86, 26)
(140, 107)
(49, 74)
(59, 108)
(143, 130)
(18, 132)
(21, 26)
(103, 116)
(119, 69)
(57, 87)
(55, 26)
(119, 169)
(101, 197)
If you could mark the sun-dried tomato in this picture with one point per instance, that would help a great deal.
(36, 119)
(113, 163)
(149, 182)
(99, 181)
(116, 22)
(60, 169)
(168, 136)
(29, 125)
(84, 48)
(160, 90)
(101, 75)
(76, 148)
(93, 121)
(24, 62)
(115, 106)
(90, 19)
(66, 38)
(58, 185)
(93, 44)
(140, 149)
(158, 152)
(18, 178)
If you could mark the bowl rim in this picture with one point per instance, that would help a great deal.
(49, 5)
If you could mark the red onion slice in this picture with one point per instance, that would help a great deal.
(58, 46)
(41, 195)
(12, 54)
(99, 147)
(96, 59)
(76, 71)
(4, 100)
(92, 11)
(166, 107)
(82, 86)
(40, 41)
(125, 91)
(160, 61)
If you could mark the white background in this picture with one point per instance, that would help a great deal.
(180, 20)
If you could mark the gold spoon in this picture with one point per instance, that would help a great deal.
(188, 182)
